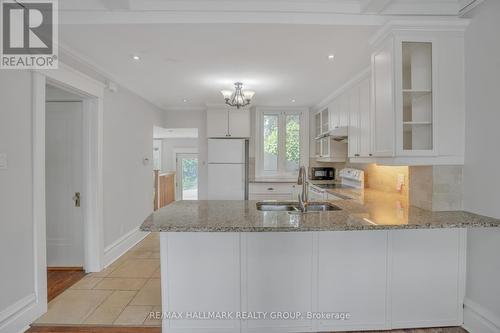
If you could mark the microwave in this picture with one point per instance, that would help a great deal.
(321, 173)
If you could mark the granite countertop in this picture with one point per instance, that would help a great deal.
(368, 210)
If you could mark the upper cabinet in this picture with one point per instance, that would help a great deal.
(418, 105)
(360, 120)
(228, 123)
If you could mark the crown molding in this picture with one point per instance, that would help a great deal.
(364, 74)
(420, 24)
(106, 76)
(184, 108)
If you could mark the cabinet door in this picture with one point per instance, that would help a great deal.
(383, 100)
(334, 114)
(354, 125)
(352, 278)
(239, 123)
(217, 123)
(427, 274)
(317, 124)
(325, 125)
(201, 278)
(365, 149)
(344, 110)
(317, 147)
(277, 277)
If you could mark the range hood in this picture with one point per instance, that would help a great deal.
(339, 134)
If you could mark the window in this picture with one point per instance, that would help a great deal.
(279, 144)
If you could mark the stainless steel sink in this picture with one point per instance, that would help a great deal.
(294, 206)
(321, 207)
(278, 206)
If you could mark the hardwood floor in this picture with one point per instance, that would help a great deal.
(58, 280)
(115, 329)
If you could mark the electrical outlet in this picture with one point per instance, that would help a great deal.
(401, 182)
(3, 161)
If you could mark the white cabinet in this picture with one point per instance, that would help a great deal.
(223, 123)
(277, 277)
(214, 285)
(353, 283)
(418, 96)
(331, 150)
(359, 121)
(272, 191)
(339, 111)
(383, 100)
(427, 268)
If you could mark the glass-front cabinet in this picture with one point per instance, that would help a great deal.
(415, 98)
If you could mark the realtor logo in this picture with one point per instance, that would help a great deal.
(29, 33)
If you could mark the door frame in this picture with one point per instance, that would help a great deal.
(67, 78)
(178, 193)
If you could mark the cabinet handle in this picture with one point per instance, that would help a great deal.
(370, 154)
(357, 155)
(228, 134)
(270, 189)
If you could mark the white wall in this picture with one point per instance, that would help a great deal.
(481, 176)
(168, 148)
(193, 119)
(16, 213)
(128, 183)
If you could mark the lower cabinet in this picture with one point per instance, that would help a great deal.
(273, 191)
(277, 277)
(362, 280)
(350, 282)
(425, 264)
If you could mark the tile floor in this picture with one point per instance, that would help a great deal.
(122, 294)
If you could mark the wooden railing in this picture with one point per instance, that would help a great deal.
(164, 188)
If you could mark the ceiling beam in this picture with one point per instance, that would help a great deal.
(374, 6)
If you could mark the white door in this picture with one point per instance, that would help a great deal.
(226, 182)
(187, 176)
(63, 180)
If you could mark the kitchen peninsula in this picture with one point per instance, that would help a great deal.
(229, 257)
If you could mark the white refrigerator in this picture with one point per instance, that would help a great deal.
(227, 169)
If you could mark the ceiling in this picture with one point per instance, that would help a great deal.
(191, 49)
(193, 62)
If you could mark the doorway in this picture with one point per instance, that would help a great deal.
(187, 176)
(64, 190)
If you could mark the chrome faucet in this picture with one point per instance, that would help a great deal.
(303, 197)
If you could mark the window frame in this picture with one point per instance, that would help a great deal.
(281, 173)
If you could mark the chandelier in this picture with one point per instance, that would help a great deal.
(238, 98)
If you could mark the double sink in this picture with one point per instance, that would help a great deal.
(271, 206)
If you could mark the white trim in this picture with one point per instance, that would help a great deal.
(468, 5)
(304, 140)
(421, 24)
(16, 316)
(71, 79)
(477, 319)
(122, 245)
(364, 74)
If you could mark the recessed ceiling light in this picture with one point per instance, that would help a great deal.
(185, 100)
(136, 57)
(293, 100)
(331, 56)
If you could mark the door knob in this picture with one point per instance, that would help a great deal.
(76, 199)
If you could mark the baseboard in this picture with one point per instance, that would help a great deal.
(17, 317)
(478, 319)
(122, 245)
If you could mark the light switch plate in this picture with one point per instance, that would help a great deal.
(3, 161)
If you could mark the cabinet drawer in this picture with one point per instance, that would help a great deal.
(270, 188)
